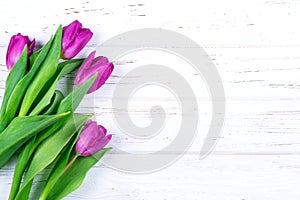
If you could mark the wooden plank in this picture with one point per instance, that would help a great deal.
(255, 46)
(216, 177)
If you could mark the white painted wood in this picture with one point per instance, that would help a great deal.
(255, 46)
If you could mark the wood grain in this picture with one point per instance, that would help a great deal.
(255, 46)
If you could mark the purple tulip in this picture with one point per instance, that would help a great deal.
(91, 139)
(74, 39)
(92, 65)
(15, 48)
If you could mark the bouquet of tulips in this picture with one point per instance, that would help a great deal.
(39, 124)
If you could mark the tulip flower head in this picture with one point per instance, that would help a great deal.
(93, 65)
(15, 48)
(91, 139)
(74, 39)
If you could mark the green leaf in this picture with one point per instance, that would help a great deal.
(58, 160)
(70, 64)
(16, 97)
(27, 150)
(14, 76)
(26, 191)
(47, 70)
(73, 177)
(23, 159)
(55, 101)
(59, 166)
(68, 104)
(20, 130)
(50, 149)
(63, 68)
(71, 102)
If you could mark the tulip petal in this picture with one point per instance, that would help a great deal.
(100, 60)
(14, 51)
(70, 32)
(102, 131)
(77, 44)
(81, 76)
(91, 139)
(31, 47)
(87, 136)
(103, 74)
(15, 48)
(100, 145)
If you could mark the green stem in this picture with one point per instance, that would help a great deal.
(22, 162)
(70, 163)
(48, 187)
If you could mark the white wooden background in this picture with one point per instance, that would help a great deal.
(255, 46)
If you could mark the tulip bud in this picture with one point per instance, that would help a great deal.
(92, 65)
(15, 48)
(74, 39)
(91, 139)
